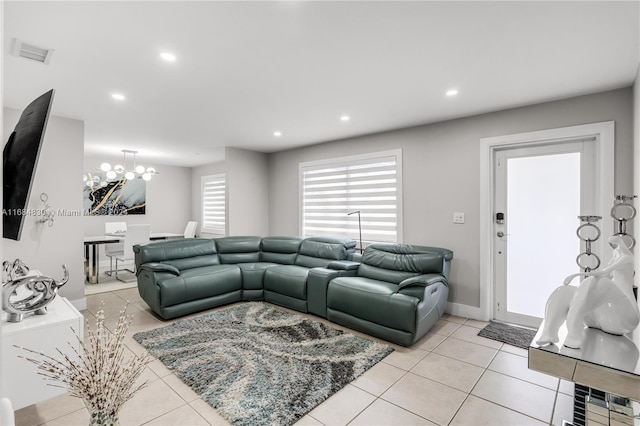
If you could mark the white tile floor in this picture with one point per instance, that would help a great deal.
(450, 377)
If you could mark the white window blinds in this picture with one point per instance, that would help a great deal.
(371, 184)
(214, 204)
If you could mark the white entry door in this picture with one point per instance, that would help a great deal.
(539, 193)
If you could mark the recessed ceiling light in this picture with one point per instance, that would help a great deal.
(345, 118)
(167, 56)
(452, 92)
(118, 96)
(277, 134)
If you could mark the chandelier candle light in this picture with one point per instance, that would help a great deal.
(137, 170)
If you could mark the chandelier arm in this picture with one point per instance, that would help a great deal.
(123, 170)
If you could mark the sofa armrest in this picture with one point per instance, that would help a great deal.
(424, 280)
(158, 267)
(343, 265)
(317, 283)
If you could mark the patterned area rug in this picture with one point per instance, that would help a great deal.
(257, 364)
(510, 334)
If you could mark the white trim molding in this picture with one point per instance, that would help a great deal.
(465, 311)
(79, 304)
(604, 133)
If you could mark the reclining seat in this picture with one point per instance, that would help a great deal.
(399, 292)
(178, 277)
(254, 255)
(287, 284)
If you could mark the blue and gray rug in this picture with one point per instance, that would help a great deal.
(257, 364)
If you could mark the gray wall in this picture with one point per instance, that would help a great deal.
(58, 175)
(196, 184)
(636, 169)
(248, 190)
(247, 176)
(441, 169)
(168, 207)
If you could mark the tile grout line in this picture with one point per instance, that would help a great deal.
(555, 403)
(459, 408)
(379, 397)
(406, 371)
(520, 378)
(510, 408)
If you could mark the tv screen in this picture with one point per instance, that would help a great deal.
(20, 156)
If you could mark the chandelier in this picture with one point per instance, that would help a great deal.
(138, 170)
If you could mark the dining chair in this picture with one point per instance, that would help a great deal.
(190, 230)
(111, 228)
(136, 234)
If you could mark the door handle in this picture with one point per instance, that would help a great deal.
(500, 234)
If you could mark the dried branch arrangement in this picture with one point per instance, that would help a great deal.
(99, 374)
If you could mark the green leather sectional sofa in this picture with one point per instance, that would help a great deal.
(392, 291)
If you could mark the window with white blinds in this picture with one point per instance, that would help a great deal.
(370, 184)
(214, 204)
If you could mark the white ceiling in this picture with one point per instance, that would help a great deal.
(247, 69)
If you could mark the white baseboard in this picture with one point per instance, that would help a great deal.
(79, 304)
(465, 311)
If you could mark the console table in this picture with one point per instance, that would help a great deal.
(606, 368)
(42, 333)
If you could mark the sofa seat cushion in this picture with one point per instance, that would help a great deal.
(255, 266)
(199, 283)
(253, 274)
(373, 300)
(289, 280)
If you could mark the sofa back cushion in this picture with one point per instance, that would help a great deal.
(320, 251)
(238, 249)
(397, 262)
(281, 250)
(182, 253)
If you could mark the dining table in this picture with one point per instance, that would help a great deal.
(92, 250)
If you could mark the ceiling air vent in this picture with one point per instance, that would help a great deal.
(30, 51)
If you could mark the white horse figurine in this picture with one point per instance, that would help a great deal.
(604, 300)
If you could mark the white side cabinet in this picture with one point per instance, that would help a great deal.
(43, 333)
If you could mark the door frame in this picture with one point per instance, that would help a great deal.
(604, 132)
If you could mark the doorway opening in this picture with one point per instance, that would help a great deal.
(588, 150)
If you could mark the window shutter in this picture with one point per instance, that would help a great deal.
(332, 189)
(214, 204)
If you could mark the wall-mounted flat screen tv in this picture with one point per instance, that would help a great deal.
(20, 157)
